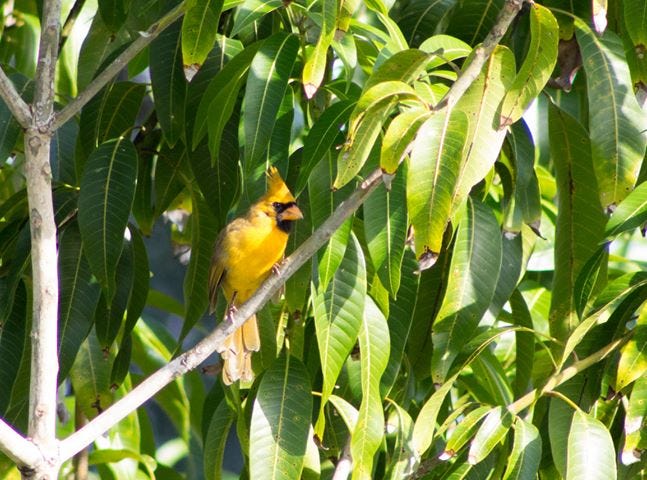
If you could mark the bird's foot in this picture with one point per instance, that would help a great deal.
(231, 310)
(276, 270)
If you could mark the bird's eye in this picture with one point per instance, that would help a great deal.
(276, 205)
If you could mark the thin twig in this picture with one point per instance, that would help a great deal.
(196, 355)
(566, 374)
(19, 109)
(16, 447)
(116, 66)
(481, 54)
(44, 359)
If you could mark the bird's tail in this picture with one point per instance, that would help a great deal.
(237, 352)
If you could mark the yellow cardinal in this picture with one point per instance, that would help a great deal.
(246, 251)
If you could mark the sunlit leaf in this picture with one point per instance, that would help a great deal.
(537, 67)
(432, 177)
(492, 431)
(199, 29)
(338, 317)
(526, 451)
(591, 453)
(280, 421)
(374, 354)
(633, 355)
(617, 125)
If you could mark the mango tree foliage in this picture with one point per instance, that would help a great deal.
(483, 315)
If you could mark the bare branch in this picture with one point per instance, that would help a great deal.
(38, 173)
(19, 109)
(481, 54)
(17, 448)
(116, 66)
(196, 355)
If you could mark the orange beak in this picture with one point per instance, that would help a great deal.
(291, 213)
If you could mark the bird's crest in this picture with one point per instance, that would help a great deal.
(277, 190)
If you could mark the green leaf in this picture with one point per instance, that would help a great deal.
(613, 295)
(105, 200)
(526, 452)
(591, 275)
(280, 421)
(219, 98)
(385, 228)
(419, 19)
(524, 344)
(264, 92)
(109, 316)
(113, 13)
(635, 433)
(475, 267)
(405, 66)
(580, 219)
(109, 115)
(169, 83)
(399, 137)
(62, 152)
(90, 376)
(537, 67)
(483, 138)
(403, 456)
(141, 280)
(633, 355)
(203, 237)
(617, 125)
(411, 309)
(216, 440)
(13, 335)
(464, 431)
(432, 177)
(630, 213)
(322, 136)
(527, 194)
(374, 354)
(338, 314)
(425, 424)
(79, 293)
(471, 20)
(251, 11)
(315, 65)
(376, 95)
(444, 49)
(635, 21)
(199, 30)
(591, 453)
(361, 142)
(492, 431)
(169, 171)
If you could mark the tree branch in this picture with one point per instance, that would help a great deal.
(19, 450)
(481, 54)
(196, 355)
(38, 174)
(116, 66)
(19, 109)
(344, 466)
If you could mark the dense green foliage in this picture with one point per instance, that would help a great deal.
(482, 317)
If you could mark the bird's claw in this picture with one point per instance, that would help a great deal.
(231, 310)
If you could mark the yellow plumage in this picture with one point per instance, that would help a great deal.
(245, 253)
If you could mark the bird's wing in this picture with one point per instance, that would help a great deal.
(217, 270)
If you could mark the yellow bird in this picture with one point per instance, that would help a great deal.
(245, 253)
